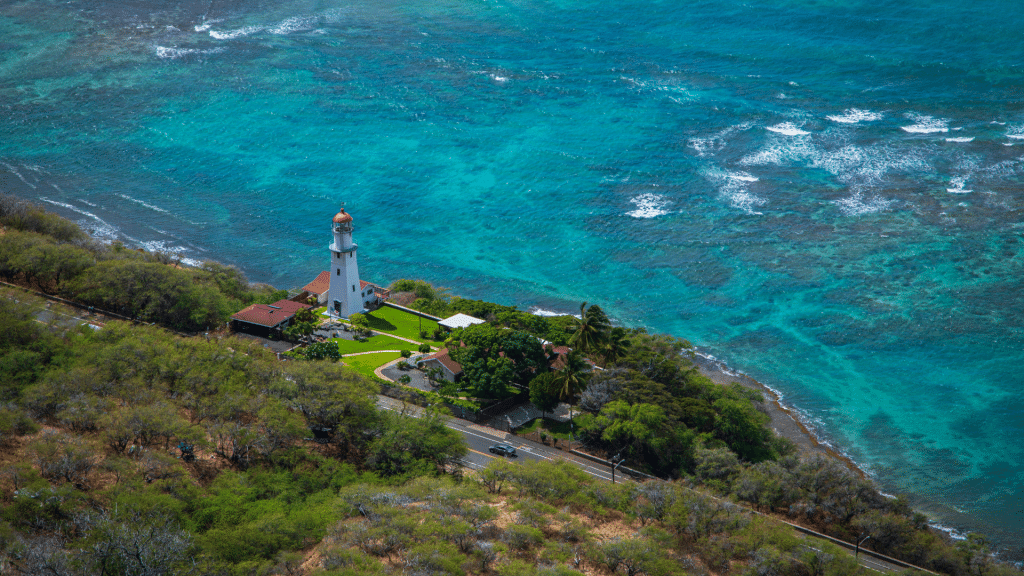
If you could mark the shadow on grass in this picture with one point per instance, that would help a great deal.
(553, 428)
(380, 324)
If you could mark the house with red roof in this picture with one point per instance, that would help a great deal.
(265, 319)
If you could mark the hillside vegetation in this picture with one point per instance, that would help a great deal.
(45, 252)
(131, 450)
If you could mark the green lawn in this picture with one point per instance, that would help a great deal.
(404, 324)
(376, 342)
(553, 428)
(366, 363)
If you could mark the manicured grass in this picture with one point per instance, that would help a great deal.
(366, 363)
(404, 324)
(553, 428)
(375, 342)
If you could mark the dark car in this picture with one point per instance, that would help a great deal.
(503, 450)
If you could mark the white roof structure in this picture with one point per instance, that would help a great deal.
(460, 321)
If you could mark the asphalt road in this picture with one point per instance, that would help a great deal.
(479, 439)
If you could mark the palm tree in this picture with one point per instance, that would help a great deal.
(616, 345)
(573, 379)
(592, 328)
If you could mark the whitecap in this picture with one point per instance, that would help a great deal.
(745, 201)
(294, 24)
(146, 204)
(788, 129)
(536, 311)
(958, 185)
(961, 139)
(648, 206)
(500, 79)
(717, 141)
(856, 205)
(172, 53)
(925, 124)
(855, 115)
(87, 203)
(237, 33)
(741, 176)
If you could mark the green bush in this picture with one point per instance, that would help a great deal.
(323, 351)
(15, 422)
(405, 353)
(404, 379)
(424, 348)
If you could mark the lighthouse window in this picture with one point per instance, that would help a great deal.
(353, 287)
(350, 254)
(337, 271)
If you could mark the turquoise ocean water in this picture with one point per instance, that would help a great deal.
(825, 195)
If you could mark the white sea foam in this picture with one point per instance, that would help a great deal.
(95, 225)
(961, 139)
(857, 205)
(207, 24)
(141, 203)
(87, 203)
(788, 129)
(172, 53)
(18, 174)
(925, 124)
(549, 313)
(717, 141)
(648, 205)
(741, 176)
(746, 201)
(236, 33)
(958, 185)
(855, 115)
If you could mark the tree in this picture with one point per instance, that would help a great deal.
(616, 345)
(630, 426)
(591, 330)
(491, 359)
(544, 391)
(572, 379)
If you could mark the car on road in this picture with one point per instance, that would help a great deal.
(503, 450)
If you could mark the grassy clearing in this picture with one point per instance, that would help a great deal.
(365, 364)
(399, 323)
(376, 342)
(552, 428)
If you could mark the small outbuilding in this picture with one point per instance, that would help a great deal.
(450, 369)
(460, 321)
(265, 319)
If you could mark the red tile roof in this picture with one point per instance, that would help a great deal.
(446, 360)
(269, 315)
(320, 284)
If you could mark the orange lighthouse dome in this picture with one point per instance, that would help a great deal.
(342, 217)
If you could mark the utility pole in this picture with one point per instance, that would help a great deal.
(616, 464)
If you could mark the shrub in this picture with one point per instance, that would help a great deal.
(403, 366)
(63, 457)
(424, 348)
(405, 353)
(405, 379)
(15, 422)
(520, 537)
(323, 351)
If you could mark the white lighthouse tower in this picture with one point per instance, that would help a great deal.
(345, 296)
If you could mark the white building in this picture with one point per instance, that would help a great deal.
(347, 295)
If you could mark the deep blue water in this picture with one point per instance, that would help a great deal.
(826, 195)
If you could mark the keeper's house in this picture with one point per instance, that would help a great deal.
(266, 319)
